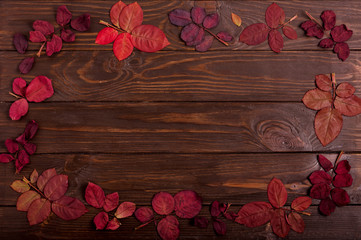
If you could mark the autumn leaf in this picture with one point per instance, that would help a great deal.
(317, 99)
(328, 124)
(236, 19)
(274, 15)
(115, 12)
(20, 186)
(254, 34)
(168, 228)
(68, 208)
(26, 199)
(254, 214)
(38, 211)
(163, 203)
(45, 177)
(279, 224)
(111, 201)
(144, 214)
(296, 222)
(301, 203)
(125, 209)
(56, 187)
(277, 194)
(187, 204)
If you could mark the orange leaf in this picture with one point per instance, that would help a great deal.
(26, 199)
(115, 12)
(328, 124)
(122, 46)
(20, 186)
(236, 19)
(39, 210)
(34, 176)
(149, 38)
(130, 17)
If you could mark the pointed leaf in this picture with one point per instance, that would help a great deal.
(275, 41)
(343, 51)
(205, 45)
(277, 193)
(296, 222)
(44, 27)
(26, 199)
(18, 109)
(63, 15)
(329, 19)
(130, 17)
(81, 23)
(345, 90)
(198, 14)
(125, 209)
(325, 163)
(163, 203)
(342, 180)
(68, 208)
(219, 227)
(34, 176)
(11, 145)
(201, 222)
(320, 177)
(54, 45)
(279, 224)
(67, 35)
(22, 160)
(44, 178)
(301, 203)
(39, 89)
(254, 214)
(180, 17)
(350, 106)
(343, 167)
(236, 19)
(323, 82)
(327, 206)
(122, 46)
(38, 211)
(6, 158)
(144, 214)
(20, 42)
(187, 204)
(328, 124)
(20, 186)
(56, 187)
(320, 191)
(101, 220)
(19, 86)
(289, 32)
(148, 38)
(274, 15)
(254, 34)
(26, 65)
(94, 195)
(113, 224)
(168, 228)
(317, 99)
(115, 12)
(340, 197)
(106, 35)
(111, 201)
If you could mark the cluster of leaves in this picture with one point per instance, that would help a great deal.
(258, 33)
(255, 214)
(128, 31)
(195, 23)
(332, 101)
(44, 194)
(20, 148)
(322, 180)
(38, 90)
(337, 37)
(44, 33)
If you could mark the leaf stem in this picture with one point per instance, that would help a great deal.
(35, 188)
(110, 25)
(14, 95)
(144, 224)
(290, 20)
(313, 19)
(300, 212)
(333, 79)
(216, 37)
(41, 49)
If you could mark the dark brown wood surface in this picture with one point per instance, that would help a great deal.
(222, 123)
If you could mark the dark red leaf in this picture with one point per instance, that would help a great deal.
(113, 224)
(94, 195)
(340, 197)
(198, 14)
(342, 180)
(328, 124)
(39, 89)
(211, 20)
(26, 65)
(342, 50)
(5, 158)
(44, 178)
(122, 46)
(163, 203)
(325, 163)
(68, 208)
(327, 206)
(274, 15)
(44, 27)
(205, 44)
(56, 187)
(225, 36)
(21, 139)
(320, 177)
(130, 17)
(308, 24)
(115, 12)
(11, 145)
(180, 17)
(36, 37)
(215, 211)
(22, 160)
(254, 214)
(301, 203)
(317, 99)
(326, 43)
(38, 211)
(148, 38)
(329, 19)
(101, 220)
(18, 109)
(222, 207)
(81, 23)
(168, 228)
(350, 106)
(323, 82)
(111, 201)
(26, 199)
(30, 130)
(67, 35)
(192, 34)
(343, 167)
(277, 193)
(219, 227)
(279, 224)
(125, 209)
(201, 222)
(341, 33)
(106, 35)
(289, 32)
(275, 41)
(30, 148)
(20, 42)
(144, 214)
(254, 34)
(320, 191)
(54, 45)
(312, 29)
(230, 215)
(63, 15)
(19, 86)
(296, 222)
(187, 204)
(345, 90)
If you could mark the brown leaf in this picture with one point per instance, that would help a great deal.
(328, 124)
(20, 186)
(345, 90)
(34, 176)
(323, 82)
(350, 106)
(317, 99)
(24, 200)
(236, 19)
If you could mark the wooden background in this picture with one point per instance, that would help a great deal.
(222, 123)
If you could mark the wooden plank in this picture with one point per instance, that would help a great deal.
(19, 16)
(191, 76)
(233, 178)
(340, 225)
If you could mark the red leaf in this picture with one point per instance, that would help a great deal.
(342, 180)
(320, 177)
(94, 195)
(39, 89)
(326, 43)
(148, 38)
(130, 17)
(56, 187)
(11, 145)
(215, 211)
(26, 65)
(21, 139)
(350, 106)
(30, 130)
(301, 203)
(163, 203)
(19, 86)
(67, 35)
(20, 42)
(36, 37)
(101, 220)
(187, 204)
(320, 191)
(205, 45)
(343, 167)
(192, 34)
(106, 35)
(44, 178)
(277, 193)
(254, 34)
(329, 19)
(144, 214)
(219, 227)
(22, 160)
(54, 45)
(323, 82)
(312, 29)
(6, 158)
(122, 46)
(19, 186)
(328, 124)
(38, 211)
(279, 224)
(179, 17)
(168, 228)
(254, 214)
(341, 33)
(201, 222)
(30, 148)
(111, 201)
(296, 222)
(63, 15)
(18, 109)
(198, 14)
(289, 32)
(225, 36)
(81, 23)
(327, 206)
(44, 27)
(125, 209)
(211, 20)
(230, 215)
(34, 176)
(345, 90)
(26, 199)
(325, 163)
(113, 224)
(275, 41)
(317, 99)
(115, 12)
(274, 15)
(68, 208)
(342, 50)
(340, 197)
